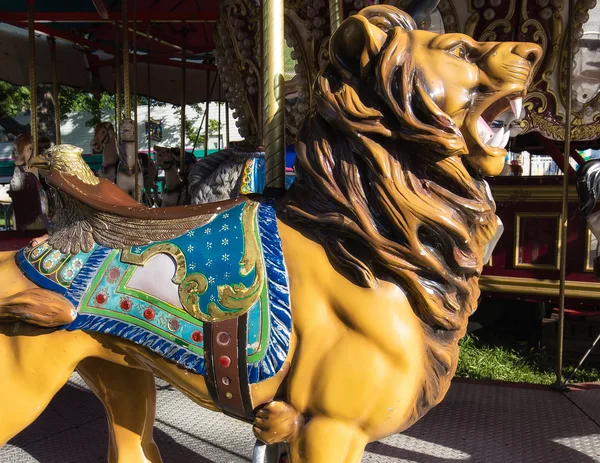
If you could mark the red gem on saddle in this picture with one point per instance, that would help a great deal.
(197, 336)
(113, 275)
(224, 361)
(149, 314)
(126, 304)
(101, 298)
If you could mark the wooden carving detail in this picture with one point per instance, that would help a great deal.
(237, 56)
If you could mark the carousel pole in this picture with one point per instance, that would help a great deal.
(32, 79)
(208, 93)
(335, 14)
(183, 92)
(55, 89)
(136, 167)
(126, 83)
(219, 105)
(226, 124)
(148, 83)
(273, 96)
(118, 111)
(565, 202)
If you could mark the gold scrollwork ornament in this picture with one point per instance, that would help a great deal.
(190, 290)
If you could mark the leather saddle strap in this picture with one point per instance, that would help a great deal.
(226, 367)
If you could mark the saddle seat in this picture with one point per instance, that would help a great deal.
(108, 197)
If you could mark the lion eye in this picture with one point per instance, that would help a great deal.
(460, 52)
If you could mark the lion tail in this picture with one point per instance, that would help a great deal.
(37, 306)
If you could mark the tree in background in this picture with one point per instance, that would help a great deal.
(194, 126)
(15, 99)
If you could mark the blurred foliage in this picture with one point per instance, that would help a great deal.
(15, 99)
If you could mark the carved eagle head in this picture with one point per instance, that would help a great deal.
(66, 159)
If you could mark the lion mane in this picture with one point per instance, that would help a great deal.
(381, 184)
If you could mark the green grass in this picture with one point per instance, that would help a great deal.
(501, 359)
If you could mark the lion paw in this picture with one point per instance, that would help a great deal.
(277, 422)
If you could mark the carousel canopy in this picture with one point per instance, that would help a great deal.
(85, 33)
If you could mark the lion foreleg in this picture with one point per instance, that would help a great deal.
(326, 440)
(129, 397)
(277, 422)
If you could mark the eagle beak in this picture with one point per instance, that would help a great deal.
(39, 161)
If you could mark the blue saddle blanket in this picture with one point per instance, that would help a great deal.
(160, 295)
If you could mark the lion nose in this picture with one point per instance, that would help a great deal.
(528, 51)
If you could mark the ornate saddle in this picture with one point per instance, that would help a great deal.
(204, 286)
(215, 300)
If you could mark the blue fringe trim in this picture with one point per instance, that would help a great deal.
(141, 336)
(280, 326)
(35, 276)
(83, 279)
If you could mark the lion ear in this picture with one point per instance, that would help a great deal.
(354, 45)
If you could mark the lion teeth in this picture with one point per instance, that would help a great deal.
(505, 139)
(496, 140)
(484, 130)
(516, 104)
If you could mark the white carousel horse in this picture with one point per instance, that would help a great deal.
(175, 191)
(118, 161)
(105, 142)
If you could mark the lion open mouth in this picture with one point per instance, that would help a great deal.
(494, 142)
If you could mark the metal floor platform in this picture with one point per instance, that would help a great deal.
(477, 422)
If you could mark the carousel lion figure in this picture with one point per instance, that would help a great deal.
(328, 319)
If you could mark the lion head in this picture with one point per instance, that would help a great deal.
(390, 161)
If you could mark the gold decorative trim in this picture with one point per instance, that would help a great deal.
(190, 290)
(533, 287)
(246, 177)
(587, 265)
(517, 245)
(238, 298)
(541, 194)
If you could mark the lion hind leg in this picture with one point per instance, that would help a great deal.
(326, 440)
(39, 307)
(129, 397)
